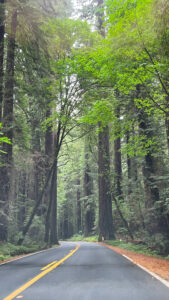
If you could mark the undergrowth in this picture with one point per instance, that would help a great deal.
(79, 237)
(138, 248)
(8, 250)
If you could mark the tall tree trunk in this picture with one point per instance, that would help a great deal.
(48, 149)
(129, 166)
(167, 130)
(106, 230)
(53, 234)
(79, 216)
(6, 169)
(9, 89)
(2, 32)
(48, 135)
(22, 200)
(89, 214)
(117, 167)
(65, 221)
(118, 178)
(36, 148)
(117, 160)
(47, 223)
(49, 155)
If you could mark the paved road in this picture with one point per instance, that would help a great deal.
(90, 272)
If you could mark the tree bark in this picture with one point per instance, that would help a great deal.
(48, 150)
(6, 169)
(79, 217)
(53, 234)
(167, 130)
(117, 167)
(106, 230)
(22, 200)
(89, 214)
(129, 166)
(9, 89)
(2, 32)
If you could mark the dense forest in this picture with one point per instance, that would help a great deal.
(84, 121)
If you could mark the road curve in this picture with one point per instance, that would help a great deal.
(78, 272)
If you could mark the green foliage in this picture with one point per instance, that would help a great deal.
(101, 112)
(140, 248)
(78, 237)
(7, 250)
(158, 243)
(3, 139)
(140, 146)
(2, 257)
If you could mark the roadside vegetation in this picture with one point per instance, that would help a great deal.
(8, 250)
(78, 237)
(138, 248)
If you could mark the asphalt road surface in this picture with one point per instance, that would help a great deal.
(78, 271)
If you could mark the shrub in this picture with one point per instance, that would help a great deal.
(2, 257)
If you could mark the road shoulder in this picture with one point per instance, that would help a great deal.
(157, 267)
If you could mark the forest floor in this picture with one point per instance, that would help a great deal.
(156, 265)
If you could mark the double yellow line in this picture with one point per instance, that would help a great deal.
(46, 269)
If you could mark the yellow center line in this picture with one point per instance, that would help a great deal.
(46, 267)
(35, 279)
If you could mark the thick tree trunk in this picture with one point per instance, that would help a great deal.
(6, 169)
(2, 32)
(106, 230)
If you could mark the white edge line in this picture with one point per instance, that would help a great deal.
(27, 255)
(165, 282)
